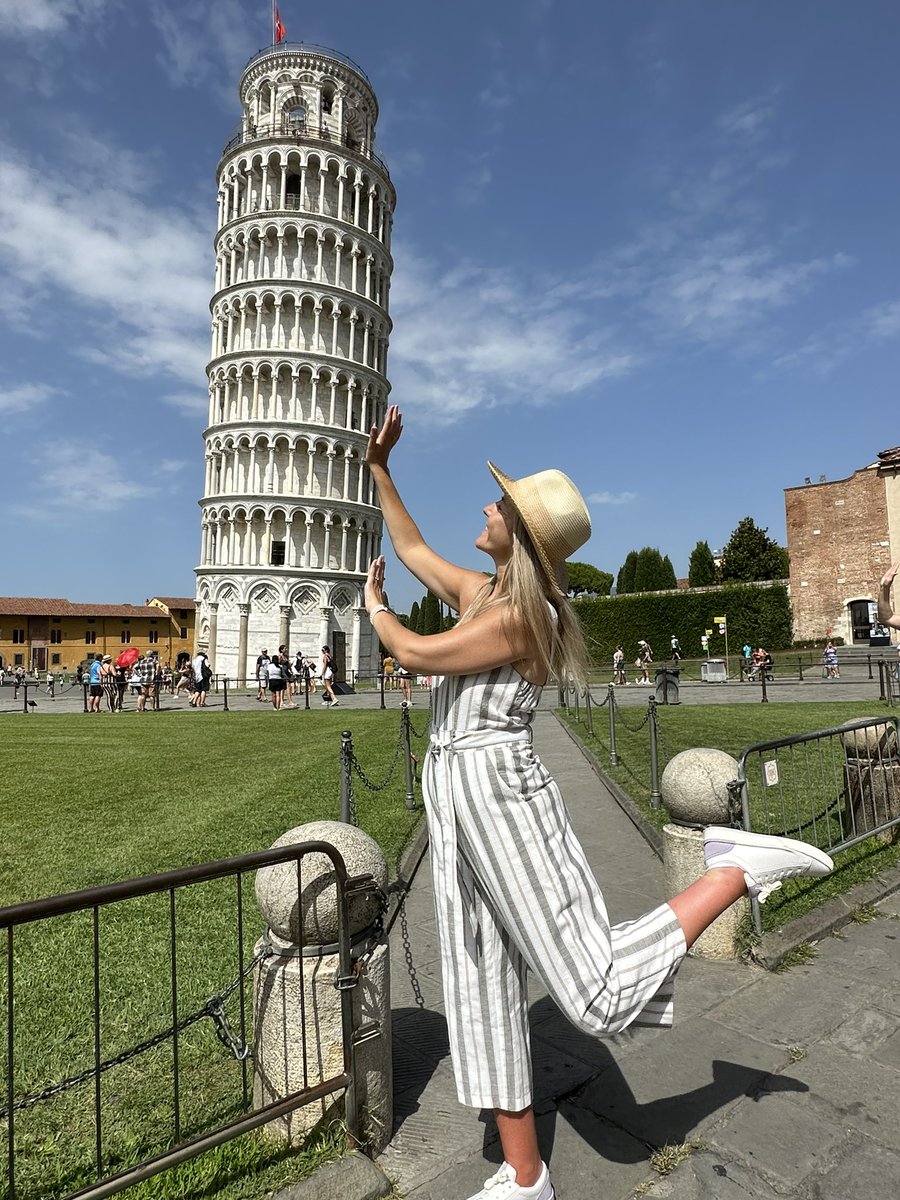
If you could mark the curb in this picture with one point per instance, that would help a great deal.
(773, 947)
(353, 1177)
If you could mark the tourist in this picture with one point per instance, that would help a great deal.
(326, 673)
(619, 666)
(96, 685)
(262, 661)
(275, 681)
(512, 884)
(202, 677)
(146, 668)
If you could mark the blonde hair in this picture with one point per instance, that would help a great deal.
(526, 590)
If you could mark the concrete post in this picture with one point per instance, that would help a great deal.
(298, 1033)
(694, 789)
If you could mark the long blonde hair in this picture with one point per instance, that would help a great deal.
(525, 591)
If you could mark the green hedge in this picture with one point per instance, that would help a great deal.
(758, 615)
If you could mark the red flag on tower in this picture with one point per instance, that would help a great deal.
(280, 31)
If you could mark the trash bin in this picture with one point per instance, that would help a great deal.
(713, 671)
(667, 685)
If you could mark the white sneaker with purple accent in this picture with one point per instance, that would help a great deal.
(503, 1186)
(765, 860)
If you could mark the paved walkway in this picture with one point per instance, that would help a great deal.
(789, 1082)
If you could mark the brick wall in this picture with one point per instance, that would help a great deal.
(839, 543)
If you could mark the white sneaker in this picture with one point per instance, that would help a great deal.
(503, 1186)
(765, 860)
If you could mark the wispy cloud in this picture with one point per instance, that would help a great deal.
(139, 274)
(485, 343)
(841, 340)
(24, 397)
(25, 18)
(612, 497)
(75, 477)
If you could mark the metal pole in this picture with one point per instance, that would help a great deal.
(225, 693)
(306, 675)
(588, 714)
(762, 679)
(577, 706)
(85, 688)
(381, 686)
(655, 797)
(881, 695)
(613, 757)
(568, 709)
(869, 658)
(407, 760)
(346, 760)
(800, 666)
(25, 701)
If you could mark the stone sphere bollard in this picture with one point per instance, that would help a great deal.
(694, 788)
(298, 1027)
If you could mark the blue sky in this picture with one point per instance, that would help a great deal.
(653, 244)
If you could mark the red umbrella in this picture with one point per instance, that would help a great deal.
(128, 657)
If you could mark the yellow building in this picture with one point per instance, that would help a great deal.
(56, 635)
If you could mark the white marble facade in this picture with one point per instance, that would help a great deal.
(300, 331)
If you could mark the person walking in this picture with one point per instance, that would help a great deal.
(513, 888)
(326, 672)
(273, 673)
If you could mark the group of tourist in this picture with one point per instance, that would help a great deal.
(642, 663)
(281, 677)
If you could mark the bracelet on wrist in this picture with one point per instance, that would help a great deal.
(377, 609)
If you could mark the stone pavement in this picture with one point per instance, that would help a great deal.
(788, 1084)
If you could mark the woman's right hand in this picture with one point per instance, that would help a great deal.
(888, 577)
(382, 441)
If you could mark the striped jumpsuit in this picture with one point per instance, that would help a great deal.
(513, 891)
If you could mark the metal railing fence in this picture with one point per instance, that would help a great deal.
(96, 1099)
(833, 788)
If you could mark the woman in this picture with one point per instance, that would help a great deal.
(275, 681)
(513, 889)
(326, 672)
(108, 682)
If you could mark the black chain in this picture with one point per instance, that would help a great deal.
(407, 955)
(214, 1008)
(417, 733)
(378, 787)
(598, 703)
(636, 728)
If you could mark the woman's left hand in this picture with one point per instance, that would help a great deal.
(374, 591)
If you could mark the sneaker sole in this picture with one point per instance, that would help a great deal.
(743, 837)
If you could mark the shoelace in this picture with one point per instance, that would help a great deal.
(504, 1175)
(766, 891)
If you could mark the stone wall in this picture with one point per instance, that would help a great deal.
(838, 539)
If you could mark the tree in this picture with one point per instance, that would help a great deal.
(430, 615)
(585, 578)
(751, 555)
(701, 566)
(414, 617)
(652, 573)
(625, 578)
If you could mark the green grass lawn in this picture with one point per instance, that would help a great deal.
(92, 802)
(733, 728)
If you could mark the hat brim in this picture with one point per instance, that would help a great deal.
(510, 489)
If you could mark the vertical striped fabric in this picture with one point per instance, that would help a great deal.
(513, 891)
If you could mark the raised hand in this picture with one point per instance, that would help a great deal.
(374, 590)
(383, 440)
(888, 577)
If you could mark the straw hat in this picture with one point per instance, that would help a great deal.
(553, 511)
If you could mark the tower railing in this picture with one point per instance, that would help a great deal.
(301, 131)
(309, 47)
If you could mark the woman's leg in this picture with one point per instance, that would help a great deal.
(518, 1137)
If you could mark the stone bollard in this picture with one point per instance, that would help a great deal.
(298, 1039)
(872, 779)
(694, 790)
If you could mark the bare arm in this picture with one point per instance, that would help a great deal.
(454, 585)
(885, 611)
(491, 640)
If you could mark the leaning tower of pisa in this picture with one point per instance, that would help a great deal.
(297, 375)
